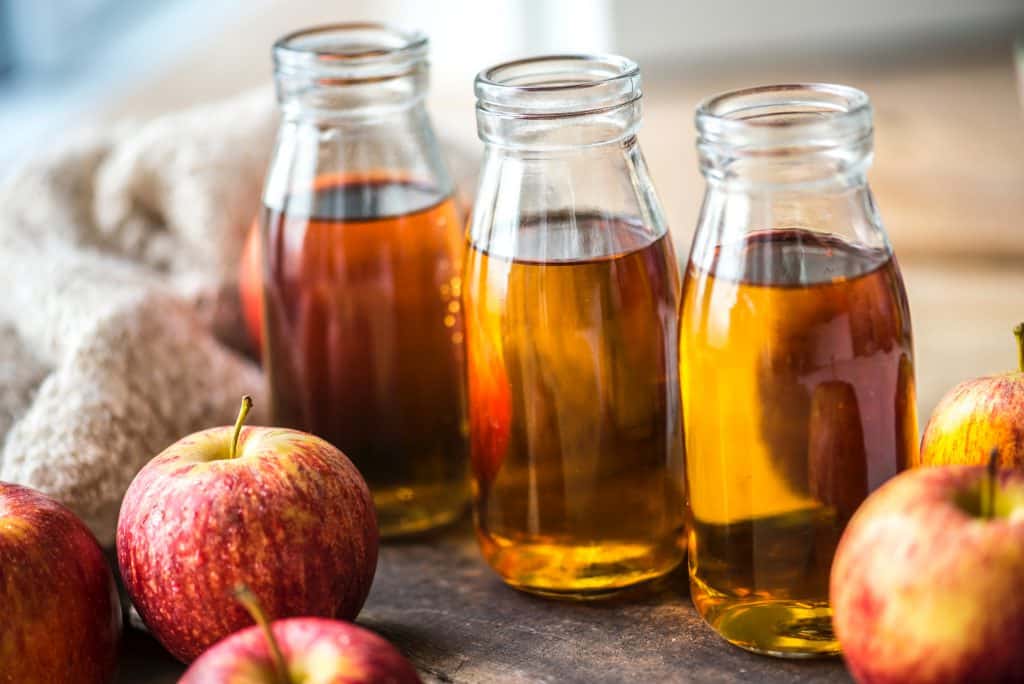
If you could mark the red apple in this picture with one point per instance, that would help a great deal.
(301, 650)
(976, 416)
(250, 285)
(926, 581)
(280, 511)
(60, 618)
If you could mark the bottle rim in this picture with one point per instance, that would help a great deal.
(787, 116)
(351, 52)
(557, 85)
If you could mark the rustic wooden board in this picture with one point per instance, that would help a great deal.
(438, 602)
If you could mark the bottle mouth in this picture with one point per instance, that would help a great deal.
(789, 117)
(555, 86)
(351, 52)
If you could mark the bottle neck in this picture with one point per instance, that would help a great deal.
(785, 137)
(813, 187)
(302, 97)
(397, 143)
(520, 187)
(558, 103)
(355, 70)
(788, 160)
(826, 166)
(559, 135)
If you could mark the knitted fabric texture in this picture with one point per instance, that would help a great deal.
(120, 326)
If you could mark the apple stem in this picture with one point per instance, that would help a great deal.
(1019, 334)
(242, 413)
(252, 605)
(988, 501)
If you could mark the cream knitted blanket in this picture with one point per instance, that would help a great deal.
(119, 320)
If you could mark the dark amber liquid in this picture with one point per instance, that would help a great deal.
(798, 397)
(574, 407)
(364, 338)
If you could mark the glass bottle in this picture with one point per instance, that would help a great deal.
(362, 249)
(796, 360)
(570, 294)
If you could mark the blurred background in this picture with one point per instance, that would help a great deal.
(949, 169)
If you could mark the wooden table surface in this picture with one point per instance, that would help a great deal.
(436, 600)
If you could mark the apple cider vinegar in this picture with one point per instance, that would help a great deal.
(362, 249)
(364, 333)
(798, 396)
(574, 409)
(571, 293)
(796, 359)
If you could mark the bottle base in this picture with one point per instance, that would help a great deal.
(578, 572)
(408, 511)
(774, 627)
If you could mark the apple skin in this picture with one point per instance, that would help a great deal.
(290, 517)
(974, 417)
(314, 649)
(250, 285)
(923, 592)
(60, 617)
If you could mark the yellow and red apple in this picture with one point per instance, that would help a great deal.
(60, 617)
(280, 511)
(977, 416)
(926, 581)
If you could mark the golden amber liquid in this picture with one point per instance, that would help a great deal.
(575, 422)
(798, 400)
(364, 338)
